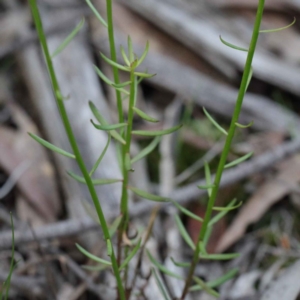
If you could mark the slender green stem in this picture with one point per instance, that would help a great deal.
(126, 151)
(72, 140)
(113, 54)
(227, 146)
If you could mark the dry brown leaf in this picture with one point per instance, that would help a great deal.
(37, 184)
(268, 194)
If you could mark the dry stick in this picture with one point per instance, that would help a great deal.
(182, 195)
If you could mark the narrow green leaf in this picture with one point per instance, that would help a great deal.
(226, 256)
(180, 264)
(121, 85)
(205, 287)
(96, 165)
(221, 214)
(184, 233)
(102, 121)
(68, 39)
(115, 225)
(221, 129)
(109, 247)
(208, 178)
(144, 115)
(99, 181)
(143, 56)
(278, 29)
(131, 255)
(123, 53)
(217, 282)
(147, 150)
(156, 133)
(144, 75)
(244, 126)
(51, 146)
(162, 268)
(227, 208)
(114, 64)
(186, 211)
(102, 76)
(109, 127)
(161, 285)
(205, 187)
(96, 13)
(92, 256)
(232, 45)
(148, 196)
(239, 160)
(130, 49)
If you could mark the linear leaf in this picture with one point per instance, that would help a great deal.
(102, 121)
(115, 225)
(108, 127)
(217, 282)
(214, 122)
(143, 56)
(184, 233)
(102, 76)
(92, 256)
(226, 256)
(278, 29)
(144, 116)
(144, 75)
(161, 285)
(121, 85)
(131, 255)
(205, 187)
(51, 146)
(148, 196)
(130, 49)
(239, 160)
(96, 165)
(147, 150)
(68, 39)
(108, 247)
(123, 53)
(156, 133)
(186, 211)
(96, 13)
(205, 287)
(162, 268)
(244, 126)
(227, 208)
(99, 181)
(205, 241)
(221, 214)
(208, 178)
(114, 64)
(232, 45)
(180, 264)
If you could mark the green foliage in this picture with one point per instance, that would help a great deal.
(122, 132)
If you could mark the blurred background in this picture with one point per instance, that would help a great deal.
(194, 70)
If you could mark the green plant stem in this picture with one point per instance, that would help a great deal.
(126, 151)
(113, 54)
(227, 146)
(72, 140)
